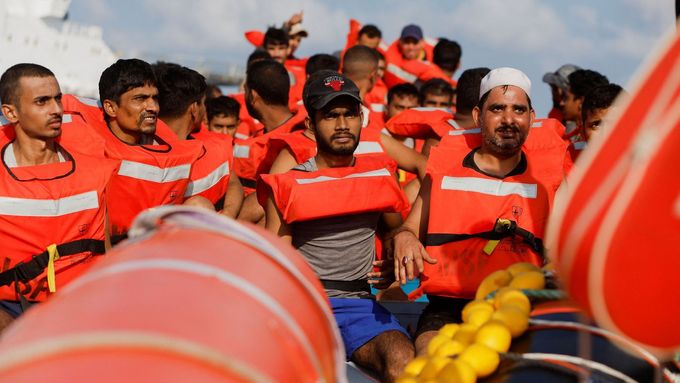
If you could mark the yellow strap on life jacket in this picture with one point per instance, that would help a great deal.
(492, 243)
(53, 254)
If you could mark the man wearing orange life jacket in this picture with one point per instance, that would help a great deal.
(559, 84)
(336, 234)
(52, 198)
(409, 59)
(296, 32)
(266, 96)
(482, 208)
(276, 44)
(287, 150)
(181, 100)
(581, 82)
(155, 167)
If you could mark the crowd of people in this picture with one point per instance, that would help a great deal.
(374, 163)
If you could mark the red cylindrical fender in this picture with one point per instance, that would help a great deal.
(612, 235)
(193, 296)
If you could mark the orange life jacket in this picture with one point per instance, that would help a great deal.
(210, 173)
(249, 155)
(400, 70)
(421, 122)
(61, 203)
(376, 99)
(470, 210)
(297, 83)
(367, 186)
(148, 176)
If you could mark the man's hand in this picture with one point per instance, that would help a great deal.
(409, 255)
(382, 278)
(295, 19)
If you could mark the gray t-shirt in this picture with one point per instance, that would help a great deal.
(337, 248)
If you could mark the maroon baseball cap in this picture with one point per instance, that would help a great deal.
(324, 86)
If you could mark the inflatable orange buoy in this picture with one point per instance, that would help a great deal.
(613, 234)
(192, 297)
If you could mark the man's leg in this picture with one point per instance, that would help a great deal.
(372, 336)
(388, 353)
(5, 320)
(439, 311)
(8, 312)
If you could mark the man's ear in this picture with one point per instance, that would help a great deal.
(110, 108)
(309, 125)
(475, 116)
(254, 96)
(10, 113)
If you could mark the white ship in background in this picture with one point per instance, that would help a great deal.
(38, 31)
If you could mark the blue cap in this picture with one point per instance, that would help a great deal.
(412, 30)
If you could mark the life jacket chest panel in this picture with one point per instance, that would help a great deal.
(367, 186)
(210, 173)
(51, 204)
(465, 201)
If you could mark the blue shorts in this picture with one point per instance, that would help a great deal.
(361, 320)
(12, 308)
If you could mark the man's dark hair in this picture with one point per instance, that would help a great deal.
(275, 36)
(222, 105)
(601, 97)
(321, 61)
(446, 54)
(582, 81)
(212, 91)
(436, 86)
(467, 89)
(482, 99)
(402, 90)
(258, 55)
(123, 75)
(178, 88)
(371, 31)
(356, 58)
(9, 82)
(270, 80)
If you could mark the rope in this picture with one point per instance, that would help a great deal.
(546, 295)
(595, 366)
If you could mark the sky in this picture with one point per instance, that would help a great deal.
(612, 37)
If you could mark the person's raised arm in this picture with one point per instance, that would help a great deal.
(406, 158)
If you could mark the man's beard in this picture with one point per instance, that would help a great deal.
(146, 129)
(327, 147)
(505, 147)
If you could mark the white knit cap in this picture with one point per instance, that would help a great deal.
(505, 76)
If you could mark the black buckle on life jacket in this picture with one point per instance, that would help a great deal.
(29, 270)
(502, 228)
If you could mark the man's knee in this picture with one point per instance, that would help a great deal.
(422, 340)
(5, 320)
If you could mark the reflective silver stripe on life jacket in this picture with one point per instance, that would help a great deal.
(497, 188)
(373, 173)
(33, 207)
(208, 181)
(152, 173)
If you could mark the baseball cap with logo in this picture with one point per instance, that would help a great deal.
(324, 86)
(560, 77)
(505, 76)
